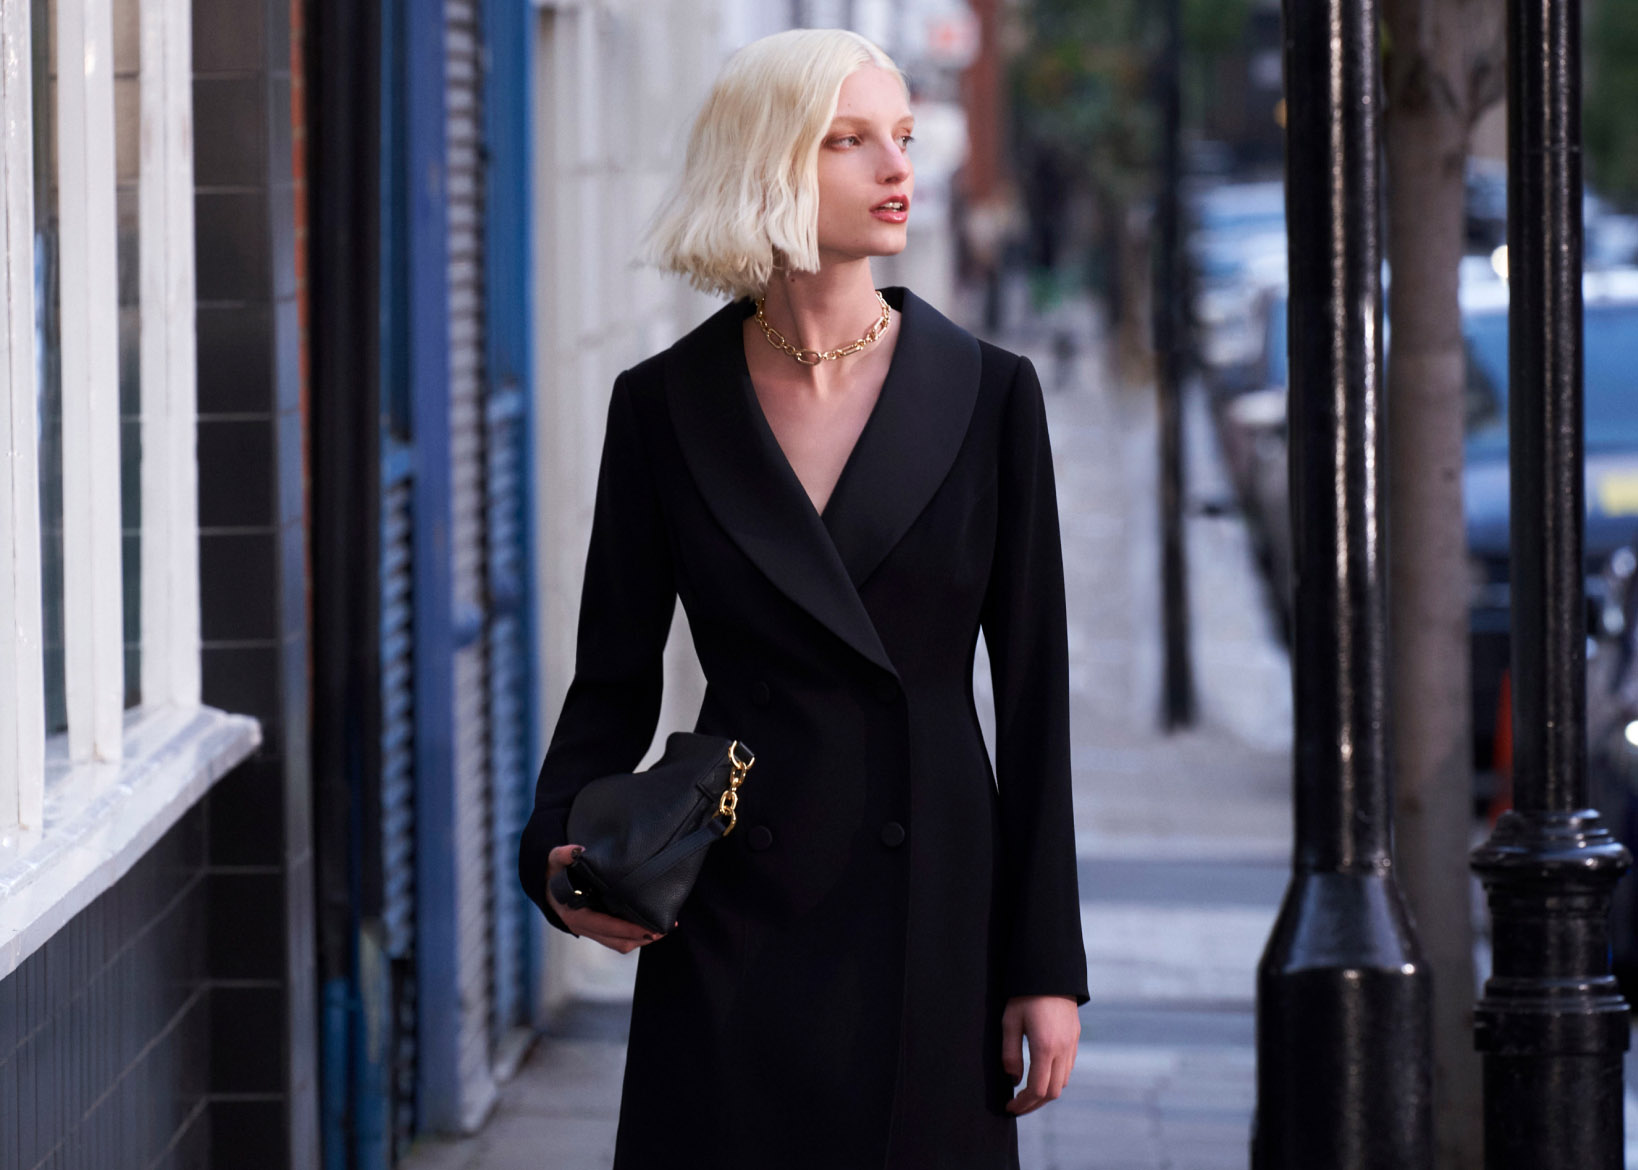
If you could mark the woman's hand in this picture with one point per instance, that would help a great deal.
(1053, 1025)
(615, 933)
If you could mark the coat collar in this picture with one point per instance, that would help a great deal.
(902, 456)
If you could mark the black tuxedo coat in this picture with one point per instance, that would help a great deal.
(832, 997)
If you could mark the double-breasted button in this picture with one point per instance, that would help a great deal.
(760, 694)
(892, 834)
(887, 690)
(761, 837)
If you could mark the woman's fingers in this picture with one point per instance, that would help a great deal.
(1047, 1078)
(1052, 1026)
(595, 922)
(615, 933)
(623, 945)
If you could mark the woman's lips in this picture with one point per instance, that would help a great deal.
(892, 210)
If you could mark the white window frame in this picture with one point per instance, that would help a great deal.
(77, 810)
(22, 672)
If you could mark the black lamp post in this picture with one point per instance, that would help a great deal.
(1177, 699)
(1552, 1025)
(1343, 995)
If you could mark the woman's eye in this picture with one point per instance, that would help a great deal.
(845, 140)
(905, 140)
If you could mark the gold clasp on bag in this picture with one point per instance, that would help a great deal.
(728, 805)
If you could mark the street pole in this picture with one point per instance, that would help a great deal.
(1343, 995)
(1177, 706)
(1551, 1024)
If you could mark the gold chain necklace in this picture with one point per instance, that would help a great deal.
(812, 357)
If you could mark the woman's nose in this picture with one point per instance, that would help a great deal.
(896, 164)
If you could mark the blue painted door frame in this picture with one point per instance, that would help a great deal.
(507, 37)
(506, 102)
(437, 1091)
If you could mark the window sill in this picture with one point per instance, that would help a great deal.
(101, 818)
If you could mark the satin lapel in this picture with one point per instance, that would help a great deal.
(911, 440)
(750, 487)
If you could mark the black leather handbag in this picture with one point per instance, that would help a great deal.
(643, 835)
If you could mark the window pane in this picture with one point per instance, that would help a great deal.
(127, 169)
(127, 147)
(49, 354)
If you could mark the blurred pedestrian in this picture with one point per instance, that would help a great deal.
(856, 972)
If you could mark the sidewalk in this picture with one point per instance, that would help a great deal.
(1183, 841)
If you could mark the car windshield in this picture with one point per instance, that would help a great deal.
(1610, 358)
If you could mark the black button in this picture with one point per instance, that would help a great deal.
(887, 690)
(892, 834)
(761, 837)
(760, 694)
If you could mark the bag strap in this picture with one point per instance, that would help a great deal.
(675, 853)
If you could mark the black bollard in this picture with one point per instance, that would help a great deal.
(1552, 1024)
(1343, 997)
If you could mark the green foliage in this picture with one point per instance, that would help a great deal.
(1082, 88)
(1213, 27)
(1610, 111)
(1086, 86)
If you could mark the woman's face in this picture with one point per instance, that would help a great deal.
(865, 177)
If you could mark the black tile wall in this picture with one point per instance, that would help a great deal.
(230, 36)
(234, 374)
(245, 679)
(248, 1135)
(231, 229)
(241, 947)
(104, 1031)
(237, 582)
(230, 112)
(253, 577)
(172, 1024)
(247, 815)
(246, 1018)
(236, 453)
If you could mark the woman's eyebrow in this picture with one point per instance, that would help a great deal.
(850, 120)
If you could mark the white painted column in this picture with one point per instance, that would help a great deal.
(170, 547)
(22, 672)
(92, 620)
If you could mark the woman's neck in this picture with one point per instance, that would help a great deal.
(824, 309)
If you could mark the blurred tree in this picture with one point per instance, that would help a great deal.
(1088, 126)
(1610, 117)
(1444, 65)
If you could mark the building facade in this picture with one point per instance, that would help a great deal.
(156, 866)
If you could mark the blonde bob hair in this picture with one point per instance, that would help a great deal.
(748, 200)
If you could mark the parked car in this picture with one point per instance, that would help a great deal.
(1612, 739)
(1237, 252)
(1255, 441)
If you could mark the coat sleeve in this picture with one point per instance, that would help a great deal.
(626, 606)
(1025, 631)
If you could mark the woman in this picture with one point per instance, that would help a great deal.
(853, 978)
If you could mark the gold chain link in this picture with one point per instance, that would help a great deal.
(728, 805)
(812, 357)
